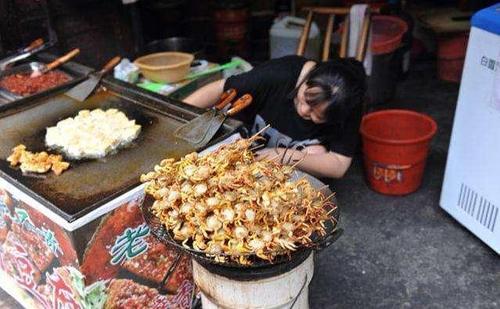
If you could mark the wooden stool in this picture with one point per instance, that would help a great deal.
(331, 12)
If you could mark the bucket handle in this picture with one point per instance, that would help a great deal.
(298, 294)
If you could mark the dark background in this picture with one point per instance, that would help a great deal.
(103, 29)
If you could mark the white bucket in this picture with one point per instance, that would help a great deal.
(284, 38)
(288, 290)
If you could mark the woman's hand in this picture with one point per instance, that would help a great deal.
(315, 149)
(207, 95)
(315, 160)
(277, 153)
(269, 153)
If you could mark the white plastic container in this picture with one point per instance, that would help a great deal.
(285, 35)
(284, 291)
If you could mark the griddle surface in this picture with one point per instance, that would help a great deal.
(88, 183)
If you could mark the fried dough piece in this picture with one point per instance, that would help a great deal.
(38, 162)
(35, 162)
(17, 152)
(58, 165)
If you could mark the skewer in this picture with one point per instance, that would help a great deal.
(261, 131)
(252, 149)
(274, 158)
(330, 196)
(300, 160)
(323, 187)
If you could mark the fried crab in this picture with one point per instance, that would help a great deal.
(232, 206)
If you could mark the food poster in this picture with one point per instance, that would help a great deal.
(111, 262)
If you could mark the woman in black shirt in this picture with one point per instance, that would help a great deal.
(314, 107)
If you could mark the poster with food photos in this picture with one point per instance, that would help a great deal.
(112, 261)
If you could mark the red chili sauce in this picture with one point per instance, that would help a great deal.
(23, 84)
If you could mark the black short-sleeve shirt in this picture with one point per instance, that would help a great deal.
(271, 85)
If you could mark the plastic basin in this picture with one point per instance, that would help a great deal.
(387, 32)
(166, 67)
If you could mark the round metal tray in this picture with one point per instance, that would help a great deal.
(318, 242)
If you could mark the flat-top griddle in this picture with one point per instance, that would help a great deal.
(89, 184)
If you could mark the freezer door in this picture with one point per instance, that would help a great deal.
(471, 188)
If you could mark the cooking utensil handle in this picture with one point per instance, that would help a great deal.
(35, 44)
(22, 53)
(240, 104)
(111, 64)
(226, 97)
(54, 64)
(329, 239)
(171, 270)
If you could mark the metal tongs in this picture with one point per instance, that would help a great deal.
(23, 53)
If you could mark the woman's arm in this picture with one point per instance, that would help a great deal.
(207, 95)
(326, 164)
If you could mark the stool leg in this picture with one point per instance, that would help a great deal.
(362, 42)
(345, 38)
(305, 35)
(328, 37)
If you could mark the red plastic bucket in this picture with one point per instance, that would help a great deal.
(374, 4)
(395, 147)
(451, 54)
(387, 32)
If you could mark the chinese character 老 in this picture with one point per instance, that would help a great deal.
(130, 244)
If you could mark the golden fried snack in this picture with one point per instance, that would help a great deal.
(58, 165)
(230, 205)
(17, 152)
(38, 162)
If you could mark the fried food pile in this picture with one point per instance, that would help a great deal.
(92, 134)
(233, 207)
(37, 162)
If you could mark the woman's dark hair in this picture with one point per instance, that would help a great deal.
(342, 84)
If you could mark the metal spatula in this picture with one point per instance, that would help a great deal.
(81, 91)
(202, 129)
(195, 125)
(39, 70)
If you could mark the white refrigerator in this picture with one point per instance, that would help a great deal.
(471, 187)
